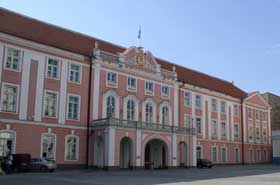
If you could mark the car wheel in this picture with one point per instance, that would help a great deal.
(43, 169)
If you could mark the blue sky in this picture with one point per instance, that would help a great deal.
(235, 40)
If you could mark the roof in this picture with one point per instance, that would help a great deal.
(34, 30)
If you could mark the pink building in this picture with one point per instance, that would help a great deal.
(81, 100)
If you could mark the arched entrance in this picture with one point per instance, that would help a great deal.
(183, 154)
(156, 154)
(99, 152)
(126, 149)
(7, 143)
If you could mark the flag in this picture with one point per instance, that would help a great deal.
(139, 33)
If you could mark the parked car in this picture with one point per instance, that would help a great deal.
(21, 162)
(42, 164)
(204, 163)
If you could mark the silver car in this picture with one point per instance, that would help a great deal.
(42, 164)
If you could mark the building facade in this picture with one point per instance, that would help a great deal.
(84, 101)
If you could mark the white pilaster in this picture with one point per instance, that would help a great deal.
(39, 87)
(228, 112)
(1, 61)
(204, 117)
(174, 150)
(96, 90)
(209, 116)
(110, 147)
(193, 121)
(176, 104)
(232, 122)
(219, 120)
(244, 123)
(269, 126)
(24, 85)
(194, 150)
(63, 92)
(138, 147)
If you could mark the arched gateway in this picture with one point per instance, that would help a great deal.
(156, 154)
(126, 153)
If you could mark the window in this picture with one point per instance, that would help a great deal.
(149, 87)
(264, 136)
(236, 131)
(250, 113)
(258, 133)
(198, 101)
(71, 148)
(50, 103)
(9, 98)
(165, 90)
(235, 110)
(187, 121)
(214, 105)
(223, 129)
(48, 146)
(251, 133)
(53, 68)
(111, 78)
(73, 107)
(257, 115)
(224, 154)
(75, 73)
(13, 59)
(7, 143)
(265, 155)
(110, 107)
(264, 116)
(131, 83)
(259, 155)
(165, 115)
(251, 155)
(187, 99)
(130, 110)
(214, 154)
(214, 128)
(149, 113)
(236, 155)
(198, 152)
(198, 126)
(223, 107)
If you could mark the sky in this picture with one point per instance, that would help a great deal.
(234, 40)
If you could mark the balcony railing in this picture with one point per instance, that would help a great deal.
(114, 122)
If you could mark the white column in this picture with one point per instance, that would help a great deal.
(194, 150)
(24, 85)
(219, 119)
(39, 88)
(138, 147)
(174, 150)
(63, 92)
(269, 126)
(1, 61)
(228, 119)
(176, 104)
(209, 117)
(244, 123)
(232, 123)
(204, 117)
(110, 147)
(96, 90)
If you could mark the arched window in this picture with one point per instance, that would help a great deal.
(149, 113)
(7, 143)
(130, 110)
(165, 115)
(110, 107)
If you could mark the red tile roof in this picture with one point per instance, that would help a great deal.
(38, 31)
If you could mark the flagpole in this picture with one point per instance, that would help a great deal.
(139, 36)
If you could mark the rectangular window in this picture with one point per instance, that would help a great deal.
(224, 155)
(258, 133)
(9, 98)
(265, 155)
(214, 128)
(53, 68)
(131, 83)
(236, 155)
(71, 148)
(111, 78)
(251, 133)
(165, 90)
(187, 98)
(198, 102)
(198, 126)
(250, 113)
(48, 146)
(264, 116)
(259, 155)
(264, 136)
(149, 87)
(236, 131)
(50, 104)
(73, 107)
(223, 129)
(75, 73)
(214, 105)
(257, 115)
(187, 121)
(13, 59)
(223, 106)
(214, 154)
(235, 110)
(251, 155)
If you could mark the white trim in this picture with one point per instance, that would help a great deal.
(191, 100)
(2, 55)
(148, 92)
(77, 147)
(59, 70)
(174, 150)
(224, 147)
(80, 72)
(149, 100)
(15, 139)
(96, 88)
(41, 150)
(234, 154)
(201, 151)
(136, 103)
(167, 104)
(8, 46)
(165, 96)
(63, 92)
(117, 103)
(217, 153)
(79, 106)
(129, 88)
(194, 160)
(110, 83)
(2, 92)
(260, 96)
(176, 105)
(57, 100)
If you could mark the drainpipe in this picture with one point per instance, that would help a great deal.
(242, 131)
(88, 111)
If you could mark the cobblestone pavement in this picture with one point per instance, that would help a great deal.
(219, 175)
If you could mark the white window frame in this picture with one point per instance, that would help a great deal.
(57, 102)
(148, 91)
(79, 107)
(201, 125)
(257, 112)
(225, 131)
(185, 121)
(109, 82)
(234, 136)
(80, 73)
(2, 94)
(165, 104)
(77, 147)
(223, 147)
(235, 110)
(201, 151)
(163, 94)
(265, 136)
(117, 103)
(259, 155)
(129, 87)
(198, 106)
(223, 106)
(55, 142)
(215, 128)
(149, 100)
(217, 157)
(238, 159)
(6, 58)
(58, 68)
(15, 138)
(258, 136)
(251, 158)
(250, 114)
(214, 108)
(185, 99)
